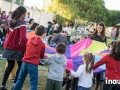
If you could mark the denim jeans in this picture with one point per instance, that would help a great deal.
(83, 88)
(30, 69)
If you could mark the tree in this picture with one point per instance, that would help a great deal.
(64, 9)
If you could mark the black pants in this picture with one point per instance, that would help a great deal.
(9, 69)
(111, 87)
(73, 84)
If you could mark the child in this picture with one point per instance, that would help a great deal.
(35, 50)
(112, 62)
(85, 72)
(57, 67)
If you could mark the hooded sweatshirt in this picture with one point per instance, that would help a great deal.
(57, 67)
(16, 36)
(35, 50)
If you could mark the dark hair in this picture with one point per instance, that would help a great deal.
(30, 20)
(115, 51)
(50, 22)
(54, 21)
(10, 12)
(18, 12)
(103, 31)
(3, 12)
(61, 48)
(89, 59)
(39, 30)
(55, 31)
(33, 26)
(28, 13)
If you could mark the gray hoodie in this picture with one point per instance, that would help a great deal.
(57, 67)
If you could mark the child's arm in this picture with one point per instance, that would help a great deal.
(78, 73)
(101, 62)
(47, 61)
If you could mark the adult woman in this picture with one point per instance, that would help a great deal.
(61, 38)
(99, 35)
(15, 43)
(112, 62)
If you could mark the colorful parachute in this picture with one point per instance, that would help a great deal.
(74, 53)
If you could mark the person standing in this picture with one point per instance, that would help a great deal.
(35, 50)
(99, 35)
(57, 64)
(112, 62)
(15, 43)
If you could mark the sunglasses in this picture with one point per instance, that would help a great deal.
(64, 32)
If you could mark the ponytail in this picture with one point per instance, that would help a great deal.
(89, 58)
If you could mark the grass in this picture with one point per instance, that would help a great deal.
(42, 78)
(41, 83)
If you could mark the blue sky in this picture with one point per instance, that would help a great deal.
(110, 4)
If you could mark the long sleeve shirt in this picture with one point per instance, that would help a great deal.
(85, 79)
(112, 67)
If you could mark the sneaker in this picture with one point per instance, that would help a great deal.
(3, 88)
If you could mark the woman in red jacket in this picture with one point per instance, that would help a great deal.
(112, 62)
(15, 43)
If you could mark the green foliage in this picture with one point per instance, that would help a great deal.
(64, 9)
(91, 10)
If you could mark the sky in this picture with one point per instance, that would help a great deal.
(38, 3)
(110, 4)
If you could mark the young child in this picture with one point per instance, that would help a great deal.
(34, 51)
(112, 62)
(57, 67)
(85, 72)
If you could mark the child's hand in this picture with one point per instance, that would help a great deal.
(65, 57)
(70, 77)
(46, 56)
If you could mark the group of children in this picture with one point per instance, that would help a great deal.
(35, 51)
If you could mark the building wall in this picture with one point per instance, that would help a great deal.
(40, 17)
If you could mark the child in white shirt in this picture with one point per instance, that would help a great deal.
(85, 72)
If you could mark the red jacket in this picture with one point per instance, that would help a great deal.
(112, 67)
(16, 36)
(35, 50)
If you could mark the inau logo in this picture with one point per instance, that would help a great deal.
(112, 81)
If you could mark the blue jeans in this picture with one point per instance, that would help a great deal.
(30, 69)
(82, 88)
